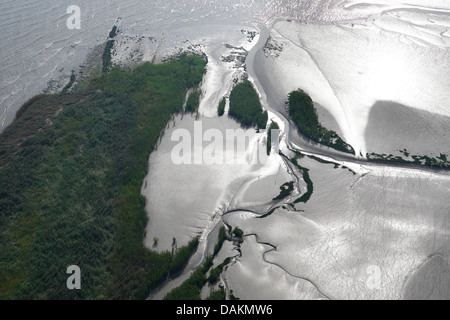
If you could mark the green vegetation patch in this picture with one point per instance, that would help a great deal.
(309, 184)
(193, 102)
(221, 240)
(245, 106)
(273, 126)
(304, 114)
(215, 273)
(440, 162)
(221, 107)
(70, 186)
(191, 288)
(285, 190)
(182, 256)
(218, 295)
(238, 233)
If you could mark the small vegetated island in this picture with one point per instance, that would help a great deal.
(304, 114)
(193, 102)
(71, 171)
(245, 106)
